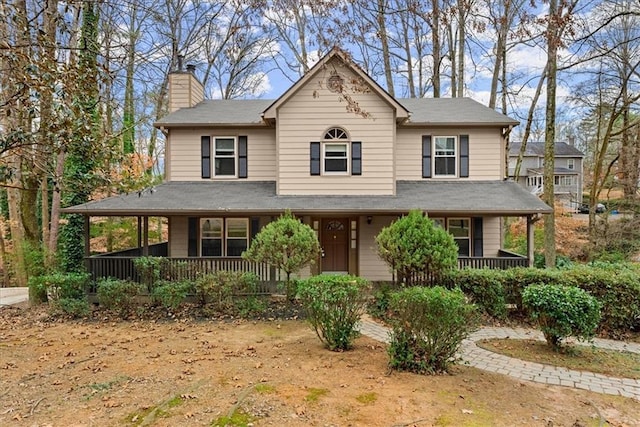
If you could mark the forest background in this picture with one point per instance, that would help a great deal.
(82, 82)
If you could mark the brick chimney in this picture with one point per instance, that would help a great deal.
(185, 90)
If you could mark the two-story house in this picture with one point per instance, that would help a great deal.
(340, 153)
(567, 172)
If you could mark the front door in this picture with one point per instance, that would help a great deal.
(335, 245)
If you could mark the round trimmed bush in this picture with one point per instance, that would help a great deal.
(562, 311)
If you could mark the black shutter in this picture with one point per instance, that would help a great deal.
(205, 153)
(464, 156)
(356, 158)
(255, 227)
(315, 158)
(193, 237)
(242, 156)
(477, 236)
(426, 156)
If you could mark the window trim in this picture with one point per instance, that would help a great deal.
(347, 157)
(215, 157)
(469, 234)
(455, 156)
(202, 238)
(224, 235)
(571, 164)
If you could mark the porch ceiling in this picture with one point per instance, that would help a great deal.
(498, 198)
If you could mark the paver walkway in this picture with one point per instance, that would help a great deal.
(530, 371)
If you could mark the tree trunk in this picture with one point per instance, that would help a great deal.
(435, 41)
(384, 41)
(550, 135)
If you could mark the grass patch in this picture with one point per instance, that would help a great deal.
(239, 418)
(314, 394)
(578, 357)
(96, 388)
(367, 398)
(264, 388)
(161, 410)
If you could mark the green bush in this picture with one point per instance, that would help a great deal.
(287, 245)
(428, 327)
(150, 269)
(485, 288)
(55, 286)
(118, 295)
(250, 305)
(171, 294)
(378, 307)
(334, 305)
(515, 280)
(219, 288)
(73, 307)
(562, 311)
(617, 288)
(413, 246)
(37, 290)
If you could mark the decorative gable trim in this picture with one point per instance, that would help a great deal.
(270, 113)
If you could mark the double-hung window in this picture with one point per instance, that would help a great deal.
(229, 155)
(571, 164)
(461, 231)
(225, 157)
(336, 158)
(444, 158)
(224, 236)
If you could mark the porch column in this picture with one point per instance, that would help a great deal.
(87, 241)
(530, 239)
(145, 233)
(139, 232)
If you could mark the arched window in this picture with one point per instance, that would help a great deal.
(336, 154)
(335, 151)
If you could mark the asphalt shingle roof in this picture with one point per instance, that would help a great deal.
(536, 149)
(430, 111)
(435, 197)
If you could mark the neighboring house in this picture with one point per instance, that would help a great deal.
(567, 173)
(347, 169)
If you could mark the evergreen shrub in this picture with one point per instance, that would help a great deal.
(119, 296)
(429, 325)
(562, 311)
(334, 305)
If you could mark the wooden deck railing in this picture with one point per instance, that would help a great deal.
(122, 267)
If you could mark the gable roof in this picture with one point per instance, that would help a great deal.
(536, 149)
(337, 53)
(423, 111)
(409, 111)
(451, 111)
(219, 112)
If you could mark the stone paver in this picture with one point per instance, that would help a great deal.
(487, 360)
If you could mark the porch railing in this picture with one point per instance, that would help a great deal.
(122, 267)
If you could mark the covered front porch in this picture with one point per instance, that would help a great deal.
(210, 224)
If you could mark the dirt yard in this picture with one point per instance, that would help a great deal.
(188, 373)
